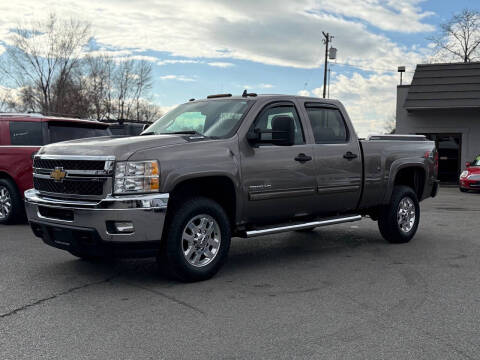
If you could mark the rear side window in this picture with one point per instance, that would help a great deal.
(267, 117)
(328, 125)
(63, 132)
(26, 133)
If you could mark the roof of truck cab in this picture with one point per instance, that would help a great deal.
(42, 118)
(273, 97)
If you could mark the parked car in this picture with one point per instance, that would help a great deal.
(221, 167)
(21, 135)
(470, 177)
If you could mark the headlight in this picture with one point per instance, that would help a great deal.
(136, 177)
(464, 174)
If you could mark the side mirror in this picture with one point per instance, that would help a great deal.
(145, 126)
(282, 133)
(467, 164)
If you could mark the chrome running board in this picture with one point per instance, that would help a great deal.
(307, 225)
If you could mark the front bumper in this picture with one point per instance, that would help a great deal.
(470, 184)
(145, 212)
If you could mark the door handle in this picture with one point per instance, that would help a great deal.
(350, 156)
(302, 158)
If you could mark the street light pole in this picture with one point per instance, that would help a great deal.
(326, 41)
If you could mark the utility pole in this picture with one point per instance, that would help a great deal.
(326, 41)
(328, 84)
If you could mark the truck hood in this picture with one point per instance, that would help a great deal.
(121, 147)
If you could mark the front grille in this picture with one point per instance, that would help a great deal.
(75, 175)
(69, 164)
(89, 186)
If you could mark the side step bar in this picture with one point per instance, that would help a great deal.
(307, 225)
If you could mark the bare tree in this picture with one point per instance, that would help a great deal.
(390, 124)
(49, 65)
(42, 56)
(6, 101)
(459, 38)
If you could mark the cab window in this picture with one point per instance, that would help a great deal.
(328, 125)
(266, 120)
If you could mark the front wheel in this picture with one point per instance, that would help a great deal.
(196, 241)
(463, 190)
(398, 221)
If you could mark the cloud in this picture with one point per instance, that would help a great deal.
(176, 61)
(258, 86)
(221, 64)
(370, 100)
(303, 93)
(210, 28)
(178, 78)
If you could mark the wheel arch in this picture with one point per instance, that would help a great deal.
(408, 174)
(219, 187)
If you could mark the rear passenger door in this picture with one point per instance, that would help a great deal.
(338, 159)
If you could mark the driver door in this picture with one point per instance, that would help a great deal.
(279, 181)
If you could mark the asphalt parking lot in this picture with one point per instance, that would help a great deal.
(340, 292)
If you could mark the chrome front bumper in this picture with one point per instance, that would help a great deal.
(145, 212)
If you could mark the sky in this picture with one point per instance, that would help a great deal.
(267, 46)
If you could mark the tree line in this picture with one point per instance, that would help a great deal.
(49, 67)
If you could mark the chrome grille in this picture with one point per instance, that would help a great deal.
(79, 175)
(69, 164)
(71, 187)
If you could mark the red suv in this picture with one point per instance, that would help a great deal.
(21, 135)
(470, 178)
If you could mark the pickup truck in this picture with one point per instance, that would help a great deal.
(226, 166)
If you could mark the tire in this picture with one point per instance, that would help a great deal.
(196, 228)
(463, 190)
(11, 203)
(402, 230)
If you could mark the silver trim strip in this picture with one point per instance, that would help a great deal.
(336, 189)
(307, 225)
(74, 157)
(46, 171)
(126, 202)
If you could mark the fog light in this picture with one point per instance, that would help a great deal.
(124, 227)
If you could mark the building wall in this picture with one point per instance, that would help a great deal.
(464, 121)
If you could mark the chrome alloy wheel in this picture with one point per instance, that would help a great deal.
(201, 240)
(406, 214)
(5, 202)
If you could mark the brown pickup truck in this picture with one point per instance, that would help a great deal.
(226, 166)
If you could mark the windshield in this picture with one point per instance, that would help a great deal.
(216, 118)
(475, 162)
(63, 132)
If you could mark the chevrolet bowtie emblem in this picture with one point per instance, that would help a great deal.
(58, 174)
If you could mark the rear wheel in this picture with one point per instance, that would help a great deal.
(196, 241)
(11, 204)
(398, 221)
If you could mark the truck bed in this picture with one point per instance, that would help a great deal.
(383, 157)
